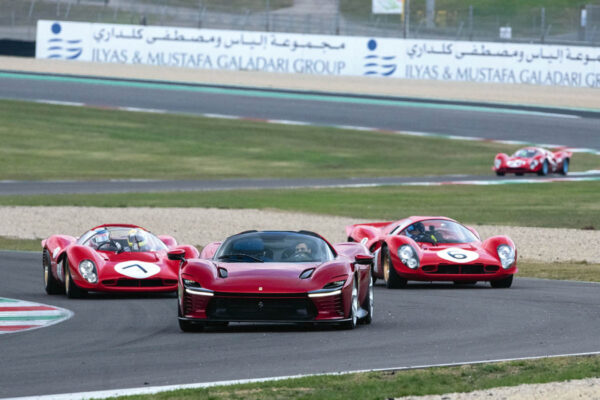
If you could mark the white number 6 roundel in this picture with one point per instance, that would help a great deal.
(456, 255)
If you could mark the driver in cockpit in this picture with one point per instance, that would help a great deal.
(302, 249)
(99, 239)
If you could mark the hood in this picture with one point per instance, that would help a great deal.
(265, 278)
(456, 253)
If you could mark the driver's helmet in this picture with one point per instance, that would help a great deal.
(416, 228)
(100, 237)
(137, 239)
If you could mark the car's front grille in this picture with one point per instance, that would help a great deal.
(132, 283)
(460, 269)
(252, 307)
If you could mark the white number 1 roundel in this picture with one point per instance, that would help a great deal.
(457, 255)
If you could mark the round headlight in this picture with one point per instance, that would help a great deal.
(408, 256)
(87, 269)
(506, 255)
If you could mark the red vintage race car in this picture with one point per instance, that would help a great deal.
(275, 276)
(111, 258)
(435, 249)
(533, 160)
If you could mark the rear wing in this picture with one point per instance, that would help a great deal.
(350, 229)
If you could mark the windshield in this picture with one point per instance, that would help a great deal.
(122, 239)
(525, 153)
(438, 231)
(274, 247)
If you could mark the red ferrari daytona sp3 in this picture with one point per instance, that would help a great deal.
(533, 160)
(435, 249)
(111, 258)
(275, 276)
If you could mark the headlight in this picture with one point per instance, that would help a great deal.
(335, 285)
(497, 163)
(408, 256)
(506, 255)
(87, 269)
(188, 283)
(533, 164)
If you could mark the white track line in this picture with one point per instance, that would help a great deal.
(104, 394)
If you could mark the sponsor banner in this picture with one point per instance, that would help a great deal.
(482, 62)
(388, 6)
(18, 315)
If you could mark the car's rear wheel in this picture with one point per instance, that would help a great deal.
(71, 289)
(353, 317)
(368, 304)
(390, 276)
(51, 284)
(502, 283)
(565, 167)
(544, 170)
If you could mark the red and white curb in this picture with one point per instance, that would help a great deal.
(19, 315)
(348, 127)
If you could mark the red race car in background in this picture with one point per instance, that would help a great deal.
(111, 258)
(275, 276)
(435, 249)
(533, 160)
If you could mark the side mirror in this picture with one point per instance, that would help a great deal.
(176, 255)
(363, 260)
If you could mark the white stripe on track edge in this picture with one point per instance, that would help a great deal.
(105, 394)
(60, 103)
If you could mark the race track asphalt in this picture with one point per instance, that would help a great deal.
(133, 341)
(537, 125)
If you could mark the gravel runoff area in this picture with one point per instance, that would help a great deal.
(576, 389)
(200, 226)
(428, 89)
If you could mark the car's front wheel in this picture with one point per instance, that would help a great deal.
(71, 289)
(545, 169)
(390, 276)
(368, 304)
(565, 167)
(353, 317)
(500, 173)
(502, 283)
(51, 284)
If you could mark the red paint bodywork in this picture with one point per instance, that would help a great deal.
(275, 281)
(65, 248)
(557, 162)
(379, 235)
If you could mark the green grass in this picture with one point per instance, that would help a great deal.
(384, 385)
(566, 204)
(45, 142)
(8, 243)
(561, 271)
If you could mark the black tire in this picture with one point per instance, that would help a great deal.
(187, 326)
(390, 277)
(565, 167)
(504, 283)
(545, 169)
(500, 173)
(71, 289)
(353, 317)
(368, 304)
(51, 284)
